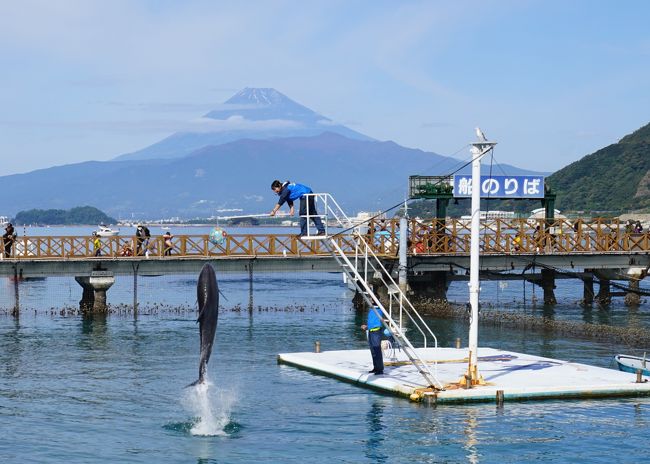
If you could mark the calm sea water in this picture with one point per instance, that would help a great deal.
(111, 389)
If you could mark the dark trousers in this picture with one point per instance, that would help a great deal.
(304, 202)
(374, 341)
(8, 245)
(138, 246)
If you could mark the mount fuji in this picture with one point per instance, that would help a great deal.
(252, 113)
(229, 161)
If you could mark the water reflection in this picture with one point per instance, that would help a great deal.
(12, 350)
(471, 438)
(94, 331)
(548, 311)
(376, 433)
(634, 318)
(603, 315)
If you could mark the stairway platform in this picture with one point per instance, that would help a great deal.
(519, 376)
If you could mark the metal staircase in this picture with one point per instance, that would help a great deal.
(365, 265)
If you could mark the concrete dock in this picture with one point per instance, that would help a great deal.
(508, 376)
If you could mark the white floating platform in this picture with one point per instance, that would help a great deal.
(519, 376)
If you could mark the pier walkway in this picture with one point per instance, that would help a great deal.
(506, 245)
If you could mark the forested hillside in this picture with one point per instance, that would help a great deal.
(613, 179)
(78, 215)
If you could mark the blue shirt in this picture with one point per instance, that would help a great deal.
(292, 192)
(373, 320)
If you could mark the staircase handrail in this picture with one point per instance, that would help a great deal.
(392, 283)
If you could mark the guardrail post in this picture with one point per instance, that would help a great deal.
(403, 259)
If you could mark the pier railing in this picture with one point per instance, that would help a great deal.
(434, 237)
(512, 236)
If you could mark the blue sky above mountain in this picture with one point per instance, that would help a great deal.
(551, 81)
(252, 113)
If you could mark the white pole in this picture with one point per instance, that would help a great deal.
(478, 150)
(403, 259)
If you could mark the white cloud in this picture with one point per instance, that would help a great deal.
(238, 123)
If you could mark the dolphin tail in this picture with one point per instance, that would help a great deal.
(201, 378)
(194, 384)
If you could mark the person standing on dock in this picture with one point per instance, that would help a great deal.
(8, 239)
(290, 192)
(374, 328)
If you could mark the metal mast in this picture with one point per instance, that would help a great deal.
(478, 150)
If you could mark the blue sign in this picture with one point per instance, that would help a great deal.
(501, 186)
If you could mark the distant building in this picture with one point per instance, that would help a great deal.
(492, 215)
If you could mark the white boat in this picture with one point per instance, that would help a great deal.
(4, 220)
(105, 231)
(633, 363)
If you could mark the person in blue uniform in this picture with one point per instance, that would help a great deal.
(374, 328)
(290, 192)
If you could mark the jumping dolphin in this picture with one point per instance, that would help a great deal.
(207, 294)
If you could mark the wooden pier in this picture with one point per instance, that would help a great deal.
(539, 251)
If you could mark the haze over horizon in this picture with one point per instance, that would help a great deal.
(550, 81)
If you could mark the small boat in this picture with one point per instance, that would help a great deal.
(633, 363)
(105, 231)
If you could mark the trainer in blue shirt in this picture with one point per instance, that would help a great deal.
(289, 192)
(374, 328)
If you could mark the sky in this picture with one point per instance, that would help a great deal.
(551, 80)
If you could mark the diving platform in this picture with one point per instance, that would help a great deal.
(509, 376)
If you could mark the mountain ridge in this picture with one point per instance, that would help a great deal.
(362, 175)
(259, 113)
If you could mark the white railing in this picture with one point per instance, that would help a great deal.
(331, 212)
(366, 265)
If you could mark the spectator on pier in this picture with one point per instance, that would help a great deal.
(638, 228)
(97, 245)
(8, 239)
(374, 328)
(142, 236)
(290, 192)
(126, 251)
(167, 242)
(538, 238)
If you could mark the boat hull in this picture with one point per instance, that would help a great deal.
(632, 364)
